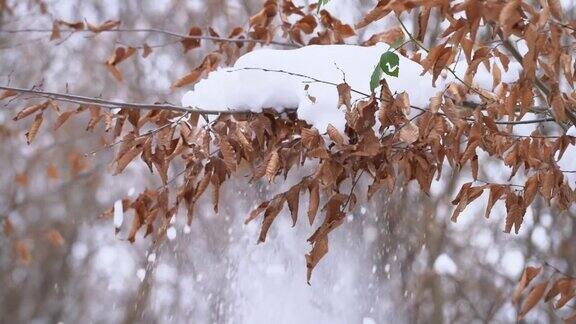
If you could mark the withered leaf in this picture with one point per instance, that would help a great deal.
(465, 196)
(334, 135)
(556, 9)
(147, 50)
(52, 172)
(530, 189)
(23, 252)
(272, 166)
(8, 94)
(344, 96)
(228, 154)
(30, 110)
(532, 299)
(270, 215)
(563, 286)
(257, 211)
(62, 118)
(496, 191)
(314, 201)
(474, 167)
(209, 64)
(56, 34)
(293, 198)
(409, 133)
(516, 209)
(55, 238)
(33, 130)
(528, 274)
(191, 43)
(107, 25)
(319, 250)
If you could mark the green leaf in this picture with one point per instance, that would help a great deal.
(390, 63)
(375, 78)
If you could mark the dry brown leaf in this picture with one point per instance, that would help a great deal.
(307, 24)
(564, 286)
(379, 12)
(409, 133)
(209, 64)
(191, 43)
(55, 238)
(496, 75)
(496, 191)
(314, 201)
(335, 135)
(33, 130)
(528, 275)
(52, 172)
(30, 110)
(77, 25)
(293, 198)
(344, 96)
(269, 216)
(21, 179)
(124, 157)
(62, 118)
(107, 25)
(147, 50)
(257, 211)
(115, 72)
(509, 15)
(8, 94)
(556, 9)
(319, 250)
(530, 189)
(435, 103)
(532, 299)
(56, 34)
(23, 252)
(272, 166)
(516, 209)
(465, 196)
(389, 37)
(474, 167)
(228, 154)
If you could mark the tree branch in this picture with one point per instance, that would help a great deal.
(154, 30)
(118, 104)
(109, 104)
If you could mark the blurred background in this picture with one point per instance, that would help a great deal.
(397, 257)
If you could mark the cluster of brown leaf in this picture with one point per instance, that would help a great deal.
(406, 148)
(559, 289)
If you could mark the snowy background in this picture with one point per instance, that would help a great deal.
(395, 259)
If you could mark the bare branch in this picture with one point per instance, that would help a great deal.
(157, 31)
(118, 104)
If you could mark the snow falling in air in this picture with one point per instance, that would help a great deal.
(171, 233)
(118, 213)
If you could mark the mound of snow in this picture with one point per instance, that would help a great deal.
(238, 88)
